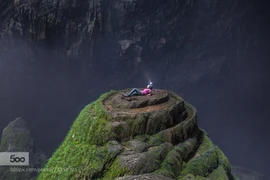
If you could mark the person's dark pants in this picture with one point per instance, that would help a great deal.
(134, 92)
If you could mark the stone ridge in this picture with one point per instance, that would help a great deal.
(154, 142)
(151, 119)
(174, 152)
(121, 102)
(161, 151)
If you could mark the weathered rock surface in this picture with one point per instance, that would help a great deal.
(154, 141)
(16, 137)
(120, 102)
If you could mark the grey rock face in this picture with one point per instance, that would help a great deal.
(16, 137)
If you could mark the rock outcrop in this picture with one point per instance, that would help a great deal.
(16, 137)
(143, 137)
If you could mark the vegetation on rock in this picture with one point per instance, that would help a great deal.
(157, 141)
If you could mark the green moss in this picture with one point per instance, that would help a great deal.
(157, 121)
(90, 150)
(155, 156)
(121, 132)
(191, 177)
(204, 161)
(139, 125)
(218, 174)
(224, 163)
(84, 147)
(205, 143)
(143, 137)
(172, 165)
(116, 170)
(202, 178)
(187, 147)
(208, 163)
(223, 160)
(155, 140)
(165, 171)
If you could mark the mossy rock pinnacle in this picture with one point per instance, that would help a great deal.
(143, 137)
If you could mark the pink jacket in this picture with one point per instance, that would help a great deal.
(146, 91)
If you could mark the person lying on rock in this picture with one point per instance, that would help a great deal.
(137, 92)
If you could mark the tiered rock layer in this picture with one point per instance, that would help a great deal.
(140, 137)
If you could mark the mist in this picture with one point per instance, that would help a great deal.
(225, 77)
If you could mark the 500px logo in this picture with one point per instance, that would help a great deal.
(14, 158)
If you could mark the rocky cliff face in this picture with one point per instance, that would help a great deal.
(143, 137)
(129, 33)
(16, 137)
